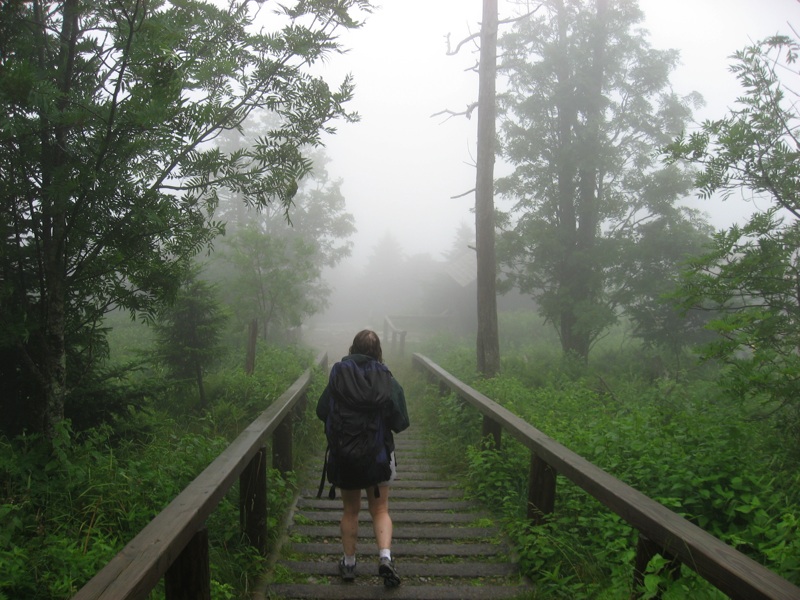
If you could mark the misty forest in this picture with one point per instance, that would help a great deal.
(175, 237)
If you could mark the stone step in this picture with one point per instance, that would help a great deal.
(395, 504)
(404, 479)
(430, 532)
(397, 493)
(342, 591)
(401, 549)
(410, 571)
(326, 516)
(422, 483)
(406, 473)
(444, 545)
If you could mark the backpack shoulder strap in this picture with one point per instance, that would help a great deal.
(332, 493)
(324, 473)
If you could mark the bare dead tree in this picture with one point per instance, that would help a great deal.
(464, 113)
(488, 344)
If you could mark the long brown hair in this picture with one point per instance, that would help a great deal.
(367, 342)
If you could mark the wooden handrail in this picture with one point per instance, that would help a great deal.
(397, 341)
(723, 566)
(141, 564)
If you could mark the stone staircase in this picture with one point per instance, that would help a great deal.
(444, 547)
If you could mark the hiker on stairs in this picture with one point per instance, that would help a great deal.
(361, 406)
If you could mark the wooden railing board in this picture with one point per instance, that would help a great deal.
(729, 570)
(141, 564)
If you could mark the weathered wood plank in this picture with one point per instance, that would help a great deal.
(541, 489)
(189, 577)
(253, 501)
(282, 458)
(492, 432)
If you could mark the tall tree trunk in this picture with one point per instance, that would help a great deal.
(567, 275)
(488, 345)
(49, 356)
(580, 281)
(589, 277)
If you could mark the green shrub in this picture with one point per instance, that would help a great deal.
(676, 439)
(68, 507)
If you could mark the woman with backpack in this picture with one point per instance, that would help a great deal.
(362, 406)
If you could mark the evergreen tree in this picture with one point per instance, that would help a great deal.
(587, 106)
(188, 332)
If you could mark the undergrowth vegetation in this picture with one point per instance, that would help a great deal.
(61, 524)
(672, 435)
(668, 431)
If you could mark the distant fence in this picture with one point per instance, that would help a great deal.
(394, 339)
(397, 327)
(174, 545)
(661, 531)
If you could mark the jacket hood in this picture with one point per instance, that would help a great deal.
(361, 382)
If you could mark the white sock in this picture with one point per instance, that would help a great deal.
(386, 553)
(349, 560)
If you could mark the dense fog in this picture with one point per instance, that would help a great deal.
(407, 169)
(196, 192)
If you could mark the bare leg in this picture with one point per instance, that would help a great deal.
(351, 504)
(382, 525)
(381, 521)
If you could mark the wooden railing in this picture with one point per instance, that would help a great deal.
(394, 339)
(397, 326)
(174, 545)
(661, 531)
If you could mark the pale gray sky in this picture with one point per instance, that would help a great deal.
(401, 167)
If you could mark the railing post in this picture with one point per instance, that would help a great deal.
(253, 501)
(491, 429)
(646, 549)
(300, 408)
(403, 343)
(282, 446)
(189, 576)
(541, 489)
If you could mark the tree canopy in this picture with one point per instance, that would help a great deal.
(588, 103)
(108, 116)
(277, 266)
(751, 274)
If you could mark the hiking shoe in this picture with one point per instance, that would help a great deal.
(389, 573)
(348, 573)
